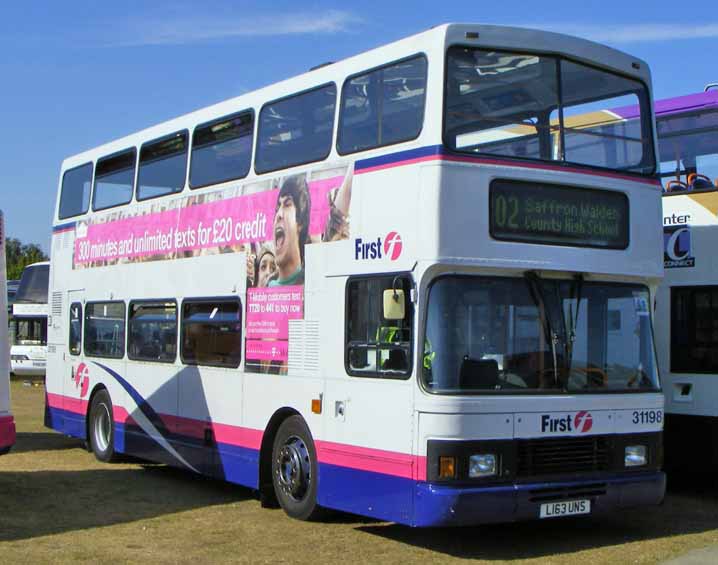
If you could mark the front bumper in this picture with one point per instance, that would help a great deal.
(442, 505)
(7, 433)
(28, 368)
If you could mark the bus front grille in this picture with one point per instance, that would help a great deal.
(557, 456)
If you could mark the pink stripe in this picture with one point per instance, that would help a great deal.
(120, 415)
(234, 435)
(223, 433)
(75, 405)
(547, 167)
(486, 161)
(355, 457)
(372, 460)
(7, 431)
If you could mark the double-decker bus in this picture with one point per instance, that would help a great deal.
(28, 354)
(380, 287)
(7, 422)
(687, 308)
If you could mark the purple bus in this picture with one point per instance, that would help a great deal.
(688, 140)
(687, 301)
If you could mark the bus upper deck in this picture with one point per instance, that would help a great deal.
(364, 274)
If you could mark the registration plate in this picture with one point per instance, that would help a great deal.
(565, 508)
(38, 363)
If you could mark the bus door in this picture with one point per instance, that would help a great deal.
(369, 417)
(74, 371)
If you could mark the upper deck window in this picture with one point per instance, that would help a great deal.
(383, 106)
(688, 148)
(75, 194)
(163, 166)
(540, 107)
(114, 180)
(296, 130)
(221, 150)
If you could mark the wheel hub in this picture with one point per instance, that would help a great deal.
(293, 468)
(102, 428)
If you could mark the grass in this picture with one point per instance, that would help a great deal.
(58, 504)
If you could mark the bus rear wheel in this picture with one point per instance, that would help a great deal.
(294, 469)
(102, 428)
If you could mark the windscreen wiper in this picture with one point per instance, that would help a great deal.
(534, 283)
(575, 294)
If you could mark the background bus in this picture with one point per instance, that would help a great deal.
(28, 329)
(360, 289)
(7, 422)
(687, 306)
(11, 292)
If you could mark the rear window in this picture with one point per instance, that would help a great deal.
(163, 166)
(75, 192)
(221, 150)
(296, 130)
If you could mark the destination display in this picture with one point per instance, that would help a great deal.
(559, 215)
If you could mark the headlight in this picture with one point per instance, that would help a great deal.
(635, 456)
(482, 465)
(19, 358)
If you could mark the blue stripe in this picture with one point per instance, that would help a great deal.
(385, 497)
(392, 158)
(66, 422)
(62, 227)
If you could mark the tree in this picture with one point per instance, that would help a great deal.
(19, 255)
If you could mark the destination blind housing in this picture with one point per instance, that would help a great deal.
(542, 213)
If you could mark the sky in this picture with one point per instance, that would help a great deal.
(76, 74)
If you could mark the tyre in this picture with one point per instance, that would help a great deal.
(102, 428)
(294, 469)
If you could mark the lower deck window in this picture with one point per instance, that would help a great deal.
(212, 332)
(694, 329)
(75, 328)
(153, 331)
(105, 329)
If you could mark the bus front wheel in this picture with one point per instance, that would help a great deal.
(294, 469)
(102, 428)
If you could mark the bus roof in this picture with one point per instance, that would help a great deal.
(478, 35)
(686, 103)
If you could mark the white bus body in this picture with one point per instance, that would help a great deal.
(686, 312)
(7, 422)
(28, 354)
(415, 363)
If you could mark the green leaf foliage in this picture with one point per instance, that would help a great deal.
(18, 255)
